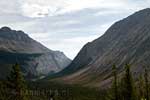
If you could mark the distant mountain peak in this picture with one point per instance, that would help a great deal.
(9, 30)
(144, 10)
(5, 28)
(34, 58)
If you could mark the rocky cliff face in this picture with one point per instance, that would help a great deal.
(35, 59)
(126, 41)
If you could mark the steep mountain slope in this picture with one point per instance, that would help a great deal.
(126, 41)
(35, 59)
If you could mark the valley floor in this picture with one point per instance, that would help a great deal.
(56, 91)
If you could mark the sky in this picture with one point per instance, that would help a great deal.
(66, 25)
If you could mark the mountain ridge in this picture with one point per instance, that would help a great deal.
(35, 59)
(126, 41)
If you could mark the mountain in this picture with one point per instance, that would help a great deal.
(126, 41)
(35, 59)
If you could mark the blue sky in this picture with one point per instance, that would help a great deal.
(66, 25)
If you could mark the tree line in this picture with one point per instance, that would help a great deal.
(127, 88)
(14, 87)
(123, 87)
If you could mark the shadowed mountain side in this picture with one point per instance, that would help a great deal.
(35, 59)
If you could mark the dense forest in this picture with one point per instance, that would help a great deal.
(124, 87)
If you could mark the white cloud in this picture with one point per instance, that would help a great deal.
(40, 8)
(9, 7)
(70, 46)
(66, 25)
(40, 36)
(34, 10)
(76, 5)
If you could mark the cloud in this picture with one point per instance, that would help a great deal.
(70, 46)
(41, 8)
(66, 25)
(9, 7)
(35, 10)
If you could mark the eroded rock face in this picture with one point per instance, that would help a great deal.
(126, 41)
(35, 59)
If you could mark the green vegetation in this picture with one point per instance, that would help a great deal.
(122, 88)
(127, 88)
(67, 92)
(146, 85)
(113, 95)
(140, 87)
(14, 87)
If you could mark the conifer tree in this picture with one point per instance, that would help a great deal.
(16, 84)
(3, 94)
(146, 84)
(127, 87)
(1, 90)
(140, 88)
(4, 91)
(115, 84)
